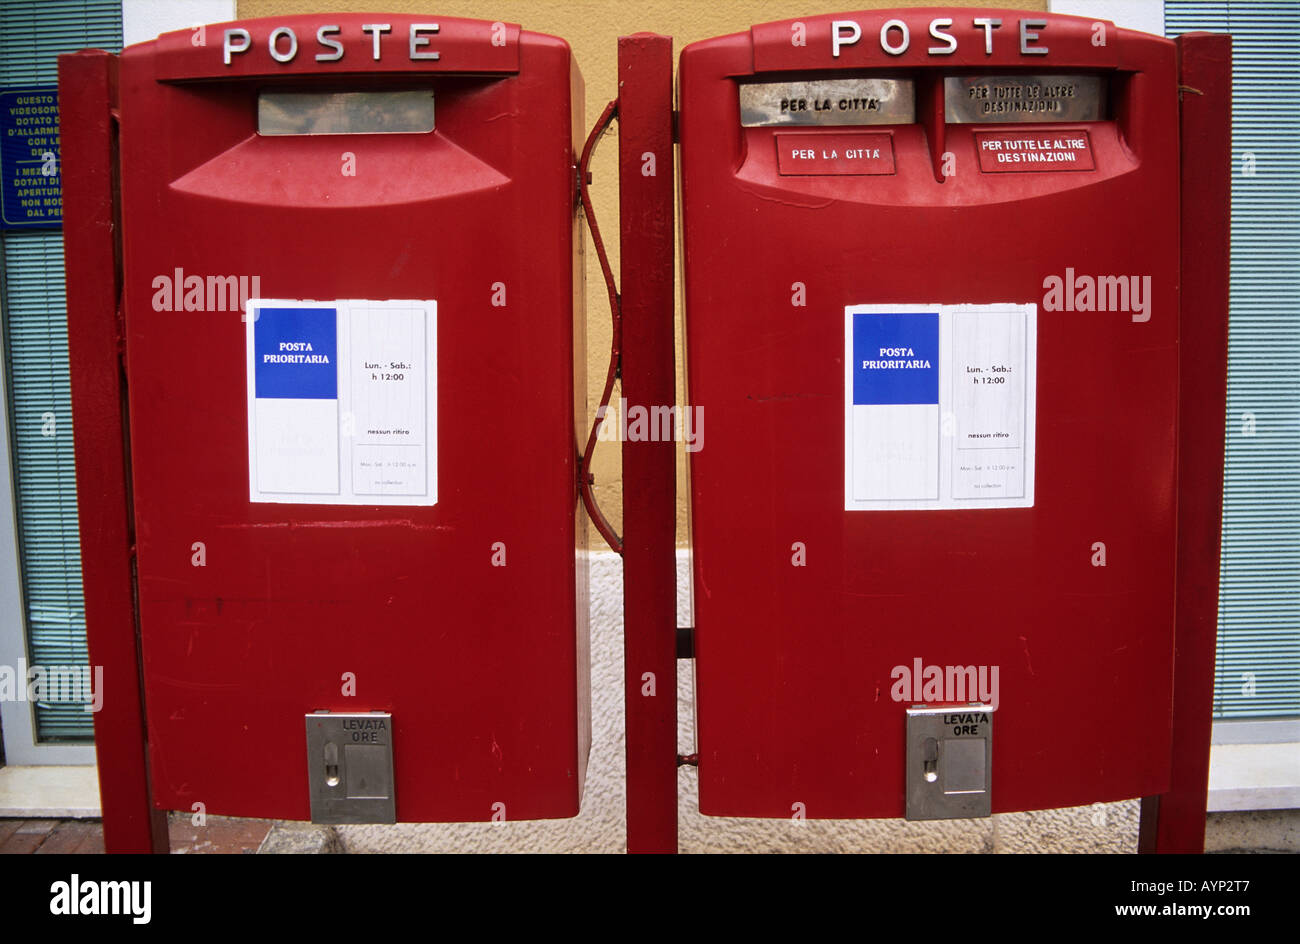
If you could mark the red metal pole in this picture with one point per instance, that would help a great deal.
(1175, 820)
(646, 213)
(87, 140)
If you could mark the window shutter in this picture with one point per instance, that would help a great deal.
(1258, 670)
(32, 34)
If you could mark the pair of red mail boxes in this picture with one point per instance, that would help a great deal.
(932, 298)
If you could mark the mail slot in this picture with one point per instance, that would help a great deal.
(932, 313)
(348, 265)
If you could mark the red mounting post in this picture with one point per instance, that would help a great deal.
(1175, 821)
(88, 143)
(646, 213)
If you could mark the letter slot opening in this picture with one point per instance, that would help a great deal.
(828, 102)
(403, 111)
(972, 99)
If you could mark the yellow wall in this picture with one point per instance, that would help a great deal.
(592, 30)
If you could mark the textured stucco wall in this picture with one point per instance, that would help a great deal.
(599, 827)
(592, 29)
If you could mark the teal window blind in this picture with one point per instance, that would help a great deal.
(1258, 669)
(32, 34)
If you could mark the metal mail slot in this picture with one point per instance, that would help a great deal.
(402, 112)
(830, 102)
(1003, 98)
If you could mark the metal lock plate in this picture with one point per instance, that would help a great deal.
(949, 761)
(350, 767)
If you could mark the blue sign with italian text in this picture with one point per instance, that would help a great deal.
(895, 357)
(295, 353)
(31, 194)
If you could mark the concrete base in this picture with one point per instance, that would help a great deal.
(300, 839)
(1255, 831)
(62, 792)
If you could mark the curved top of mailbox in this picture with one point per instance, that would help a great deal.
(946, 37)
(340, 44)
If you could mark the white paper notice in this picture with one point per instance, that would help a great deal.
(342, 402)
(939, 406)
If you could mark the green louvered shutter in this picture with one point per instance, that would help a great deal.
(1258, 672)
(32, 34)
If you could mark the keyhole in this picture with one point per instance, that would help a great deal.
(331, 764)
(930, 752)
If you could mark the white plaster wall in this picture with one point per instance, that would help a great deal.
(600, 827)
(1145, 15)
(143, 20)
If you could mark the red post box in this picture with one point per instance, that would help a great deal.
(353, 360)
(932, 290)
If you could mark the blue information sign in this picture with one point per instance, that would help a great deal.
(30, 191)
(896, 357)
(294, 353)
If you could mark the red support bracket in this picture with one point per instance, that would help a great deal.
(646, 229)
(1175, 820)
(88, 144)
